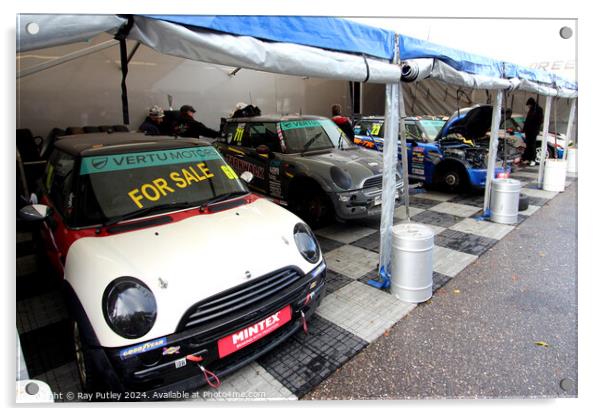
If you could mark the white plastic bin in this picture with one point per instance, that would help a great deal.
(554, 175)
(571, 159)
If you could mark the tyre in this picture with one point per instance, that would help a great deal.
(523, 202)
(312, 205)
(453, 180)
(88, 378)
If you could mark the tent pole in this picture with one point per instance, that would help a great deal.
(495, 126)
(389, 182)
(404, 153)
(569, 127)
(544, 140)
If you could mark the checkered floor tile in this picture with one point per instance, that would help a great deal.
(483, 228)
(457, 210)
(351, 315)
(450, 262)
(464, 242)
(251, 383)
(303, 361)
(351, 261)
(363, 310)
(439, 219)
(343, 233)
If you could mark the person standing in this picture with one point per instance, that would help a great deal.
(531, 128)
(187, 126)
(154, 124)
(343, 122)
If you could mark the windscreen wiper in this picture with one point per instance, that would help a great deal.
(146, 211)
(221, 198)
(310, 142)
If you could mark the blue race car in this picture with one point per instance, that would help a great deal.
(451, 153)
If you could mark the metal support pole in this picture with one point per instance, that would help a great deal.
(390, 150)
(69, 57)
(404, 153)
(495, 126)
(544, 141)
(569, 128)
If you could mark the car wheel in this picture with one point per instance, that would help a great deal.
(313, 206)
(523, 202)
(87, 377)
(453, 180)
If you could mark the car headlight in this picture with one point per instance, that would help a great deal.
(306, 243)
(340, 177)
(129, 307)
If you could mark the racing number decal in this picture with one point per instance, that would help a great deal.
(239, 133)
(375, 129)
(229, 172)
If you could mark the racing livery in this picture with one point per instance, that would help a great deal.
(448, 152)
(144, 230)
(307, 164)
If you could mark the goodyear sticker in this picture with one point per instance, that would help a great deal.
(144, 347)
(110, 163)
(299, 124)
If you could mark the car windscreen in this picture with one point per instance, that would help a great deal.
(431, 127)
(370, 128)
(121, 184)
(307, 135)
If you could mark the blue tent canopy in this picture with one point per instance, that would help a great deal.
(322, 32)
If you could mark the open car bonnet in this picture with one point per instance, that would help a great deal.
(472, 123)
(184, 262)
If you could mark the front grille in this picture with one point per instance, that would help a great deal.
(240, 300)
(373, 182)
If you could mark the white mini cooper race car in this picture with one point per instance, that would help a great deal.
(174, 273)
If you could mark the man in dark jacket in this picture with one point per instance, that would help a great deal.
(187, 126)
(343, 122)
(532, 126)
(154, 124)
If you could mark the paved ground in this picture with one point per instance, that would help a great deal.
(354, 316)
(506, 326)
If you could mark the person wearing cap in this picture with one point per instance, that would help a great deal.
(154, 124)
(533, 122)
(187, 126)
(343, 122)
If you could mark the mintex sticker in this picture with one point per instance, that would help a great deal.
(240, 339)
(109, 163)
(144, 347)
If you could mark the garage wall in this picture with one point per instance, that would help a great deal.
(87, 91)
(436, 98)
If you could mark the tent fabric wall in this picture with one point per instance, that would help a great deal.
(55, 30)
(251, 53)
(321, 32)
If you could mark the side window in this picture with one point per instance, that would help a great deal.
(412, 132)
(58, 182)
(262, 133)
(233, 133)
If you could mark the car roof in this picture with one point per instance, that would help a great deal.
(408, 118)
(273, 118)
(111, 143)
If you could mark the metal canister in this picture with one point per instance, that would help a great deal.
(505, 195)
(412, 262)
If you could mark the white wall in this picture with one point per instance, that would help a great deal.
(87, 91)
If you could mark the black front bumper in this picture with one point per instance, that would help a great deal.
(154, 375)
